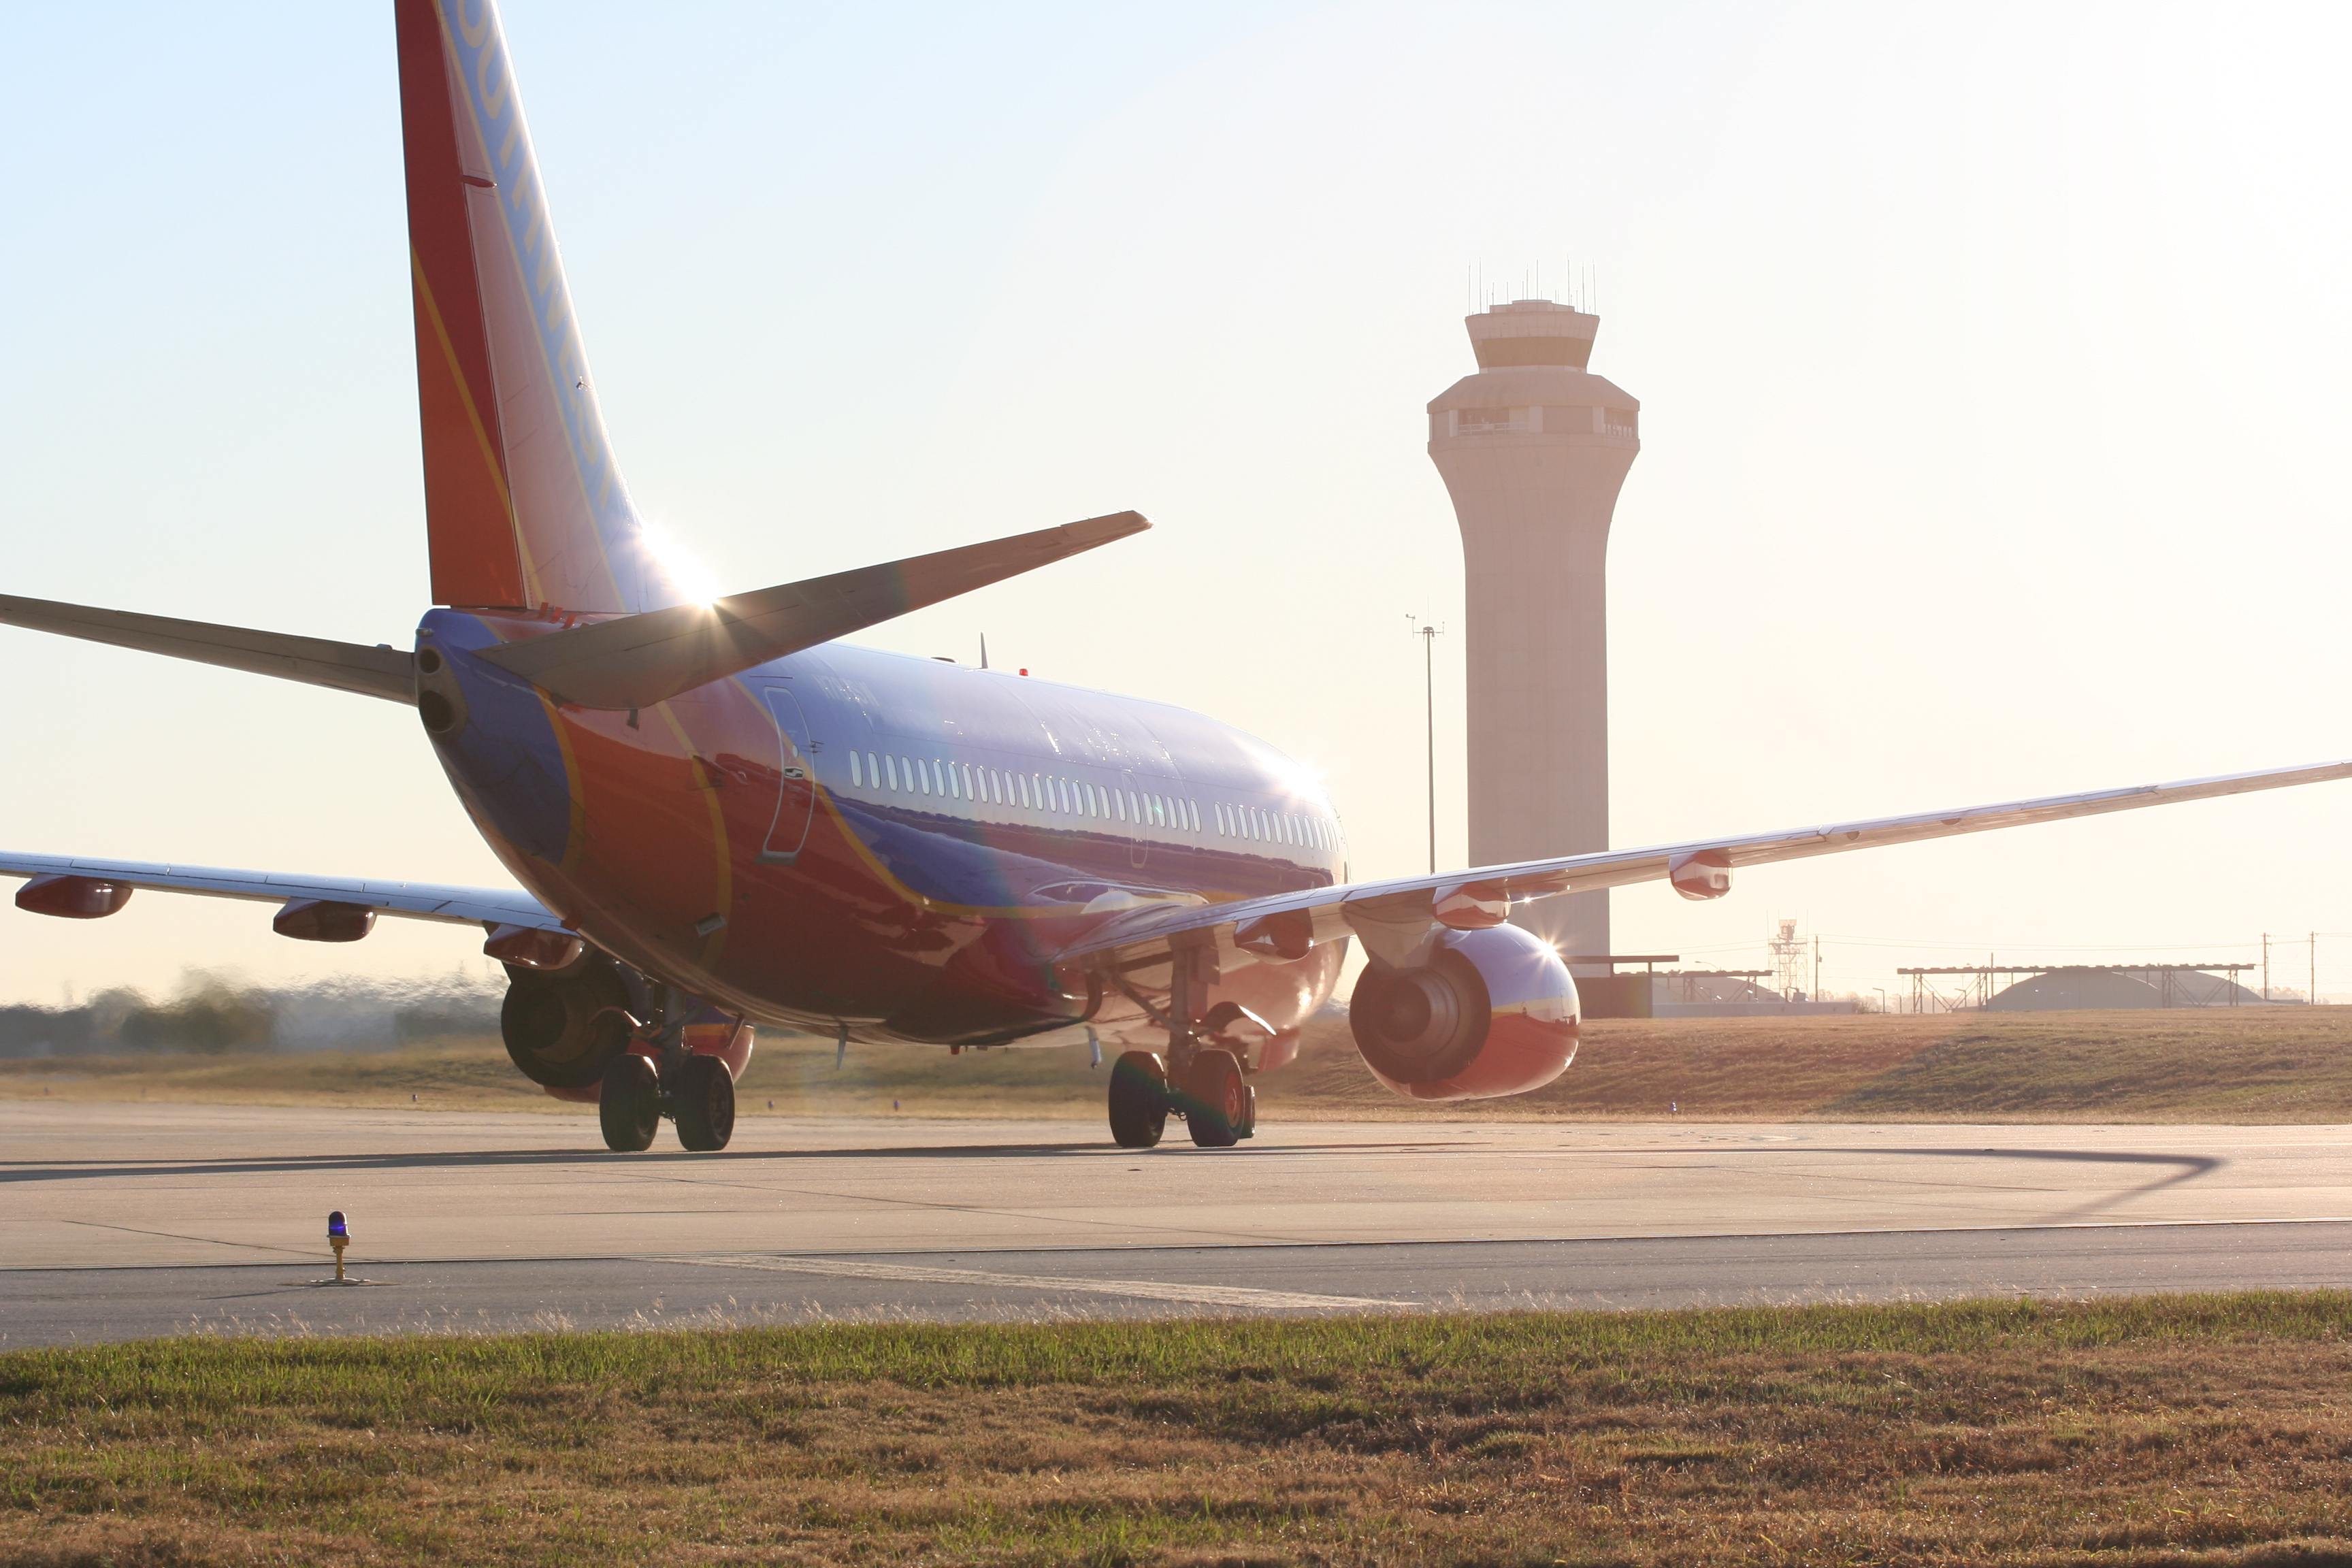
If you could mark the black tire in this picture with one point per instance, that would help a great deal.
(1217, 1101)
(703, 1102)
(1139, 1099)
(628, 1104)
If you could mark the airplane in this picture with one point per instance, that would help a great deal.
(721, 817)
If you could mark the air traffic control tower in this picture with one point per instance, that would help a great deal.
(1534, 448)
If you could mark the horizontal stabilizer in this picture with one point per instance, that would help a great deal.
(384, 672)
(637, 661)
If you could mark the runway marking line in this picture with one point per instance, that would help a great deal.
(179, 1235)
(1143, 1289)
(1553, 1239)
(1124, 1220)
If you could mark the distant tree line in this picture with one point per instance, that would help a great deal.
(214, 1015)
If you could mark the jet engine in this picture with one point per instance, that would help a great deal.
(564, 1027)
(1493, 1012)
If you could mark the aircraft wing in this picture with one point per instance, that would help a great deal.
(412, 901)
(1398, 919)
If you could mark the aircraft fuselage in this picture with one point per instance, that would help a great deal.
(896, 845)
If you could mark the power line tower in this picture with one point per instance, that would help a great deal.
(1790, 955)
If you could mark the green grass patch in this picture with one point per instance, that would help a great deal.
(2183, 1429)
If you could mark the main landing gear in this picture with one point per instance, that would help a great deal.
(661, 1075)
(1202, 1081)
(1219, 1106)
(1139, 1099)
(703, 1102)
(699, 1096)
(644, 1051)
(628, 1104)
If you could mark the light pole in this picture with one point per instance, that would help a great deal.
(1428, 635)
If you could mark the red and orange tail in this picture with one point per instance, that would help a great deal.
(524, 505)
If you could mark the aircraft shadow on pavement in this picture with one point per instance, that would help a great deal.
(2182, 1167)
(491, 1159)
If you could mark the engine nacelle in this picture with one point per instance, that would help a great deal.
(1494, 1012)
(564, 1029)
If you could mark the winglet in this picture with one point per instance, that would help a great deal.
(637, 661)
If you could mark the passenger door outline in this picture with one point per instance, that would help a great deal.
(796, 786)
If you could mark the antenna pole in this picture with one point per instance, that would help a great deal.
(1428, 635)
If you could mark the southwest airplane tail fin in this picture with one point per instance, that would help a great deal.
(525, 507)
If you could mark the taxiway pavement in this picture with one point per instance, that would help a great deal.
(141, 1218)
(66, 1306)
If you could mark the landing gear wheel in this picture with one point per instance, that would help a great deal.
(1219, 1106)
(628, 1104)
(1139, 1099)
(703, 1101)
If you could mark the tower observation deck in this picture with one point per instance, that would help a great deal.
(1534, 448)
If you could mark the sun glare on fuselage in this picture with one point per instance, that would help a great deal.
(688, 575)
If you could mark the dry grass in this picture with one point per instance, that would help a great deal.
(2251, 1065)
(463, 1073)
(2179, 1430)
(472, 1073)
(2221, 1065)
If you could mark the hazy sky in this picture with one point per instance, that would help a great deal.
(1992, 362)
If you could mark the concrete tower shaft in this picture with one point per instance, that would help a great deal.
(1533, 450)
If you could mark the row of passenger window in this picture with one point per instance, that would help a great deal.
(1036, 792)
(1276, 827)
(1077, 797)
